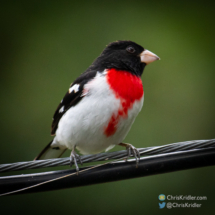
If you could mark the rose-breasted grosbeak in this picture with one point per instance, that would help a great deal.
(101, 104)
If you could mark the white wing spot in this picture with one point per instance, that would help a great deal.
(61, 110)
(61, 101)
(74, 88)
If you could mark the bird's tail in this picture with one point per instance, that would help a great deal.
(48, 152)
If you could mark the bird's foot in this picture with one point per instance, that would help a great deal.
(132, 150)
(74, 158)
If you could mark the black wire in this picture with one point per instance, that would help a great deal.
(151, 165)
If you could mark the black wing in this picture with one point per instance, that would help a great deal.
(72, 97)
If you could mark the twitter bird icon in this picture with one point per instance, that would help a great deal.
(162, 205)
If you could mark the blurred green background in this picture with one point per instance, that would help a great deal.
(45, 45)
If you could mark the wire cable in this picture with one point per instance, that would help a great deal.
(108, 172)
(174, 147)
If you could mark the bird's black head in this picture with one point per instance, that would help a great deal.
(124, 55)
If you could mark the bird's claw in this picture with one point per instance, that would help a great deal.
(74, 158)
(132, 150)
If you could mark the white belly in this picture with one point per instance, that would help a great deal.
(83, 125)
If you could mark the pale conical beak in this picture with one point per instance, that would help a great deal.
(147, 57)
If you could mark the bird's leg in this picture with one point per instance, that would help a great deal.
(131, 150)
(74, 157)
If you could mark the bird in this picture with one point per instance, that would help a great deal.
(101, 105)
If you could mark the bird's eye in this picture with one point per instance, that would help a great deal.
(130, 49)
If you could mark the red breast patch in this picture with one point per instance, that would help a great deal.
(126, 87)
